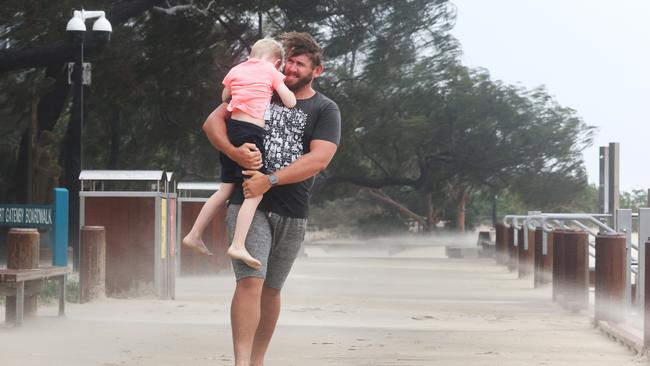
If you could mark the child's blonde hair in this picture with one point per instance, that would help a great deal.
(267, 47)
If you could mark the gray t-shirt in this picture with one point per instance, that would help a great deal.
(289, 132)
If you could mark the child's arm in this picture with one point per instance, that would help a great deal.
(287, 96)
(225, 94)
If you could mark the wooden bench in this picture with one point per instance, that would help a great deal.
(12, 283)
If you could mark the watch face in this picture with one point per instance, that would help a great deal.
(273, 179)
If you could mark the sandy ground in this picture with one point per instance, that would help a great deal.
(417, 309)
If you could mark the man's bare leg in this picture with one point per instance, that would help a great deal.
(245, 317)
(269, 313)
(216, 202)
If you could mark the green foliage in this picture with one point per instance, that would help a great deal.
(451, 130)
(634, 199)
(416, 123)
(160, 76)
(358, 215)
(50, 291)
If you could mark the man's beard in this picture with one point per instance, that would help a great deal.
(300, 83)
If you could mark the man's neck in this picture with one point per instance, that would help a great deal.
(305, 92)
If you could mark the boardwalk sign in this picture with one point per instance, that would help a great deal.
(53, 217)
(26, 215)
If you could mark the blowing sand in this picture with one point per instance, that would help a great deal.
(337, 311)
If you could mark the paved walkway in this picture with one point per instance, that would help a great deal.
(337, 311)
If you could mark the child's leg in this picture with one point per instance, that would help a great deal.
(216, 202)
(237, 249)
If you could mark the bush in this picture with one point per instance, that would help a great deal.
(50, 291)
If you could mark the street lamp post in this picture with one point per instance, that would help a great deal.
(78, 76)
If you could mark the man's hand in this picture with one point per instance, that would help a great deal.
(247, 156)
(256, 185)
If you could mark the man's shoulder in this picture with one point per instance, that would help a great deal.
(325, 101)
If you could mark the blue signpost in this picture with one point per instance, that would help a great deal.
(53, 217)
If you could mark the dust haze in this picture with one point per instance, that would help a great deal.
(396, 300)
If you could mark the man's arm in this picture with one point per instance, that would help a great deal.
(225, 94)
(246, 155)
(316, 160)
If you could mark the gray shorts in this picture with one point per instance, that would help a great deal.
(272, 239)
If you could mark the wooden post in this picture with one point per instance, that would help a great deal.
(610, 277)
(22, 253)
(543, 262)
(576, 270)
(513, 254)
(501, 241)
(526, 256)
(537, 270)
(92, 263)
(646, 299)
(558, 266)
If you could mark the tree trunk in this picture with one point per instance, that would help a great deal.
(22, 177)
(460, 218)
(43, 118)
(114, 154)
(431, 218)
(383, 197)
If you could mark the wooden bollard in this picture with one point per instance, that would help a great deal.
(92, 263)
(22, 253)
(576, 270)
(501, 241)
(543, 262)
(513, 254)
(526, 255)
(558, 264)
(610, 277)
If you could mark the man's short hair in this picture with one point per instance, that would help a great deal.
(301, 43)
(267, 46)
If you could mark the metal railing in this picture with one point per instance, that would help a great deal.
(587, 222)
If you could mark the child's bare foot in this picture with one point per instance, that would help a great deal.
(242, 255)
(196, 244)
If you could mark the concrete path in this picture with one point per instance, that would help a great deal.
(337, 311)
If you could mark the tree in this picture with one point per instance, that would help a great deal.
(419, 128)
(453, 132)
(634, 199)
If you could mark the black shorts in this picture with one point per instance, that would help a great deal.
(239, 133)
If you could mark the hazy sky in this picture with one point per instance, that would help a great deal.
(592, 55)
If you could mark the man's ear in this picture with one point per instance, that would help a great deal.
(318, 70)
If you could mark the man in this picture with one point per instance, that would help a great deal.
(299, 143)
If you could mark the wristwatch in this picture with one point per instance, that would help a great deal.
(273, 179)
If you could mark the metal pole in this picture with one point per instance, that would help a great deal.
(624, 220)
(603, 180)
(76, 146)
(613, 193)
(494, 210)
(645, 305)
(558, 265)
(644, 235)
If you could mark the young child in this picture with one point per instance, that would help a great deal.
(251, 85)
